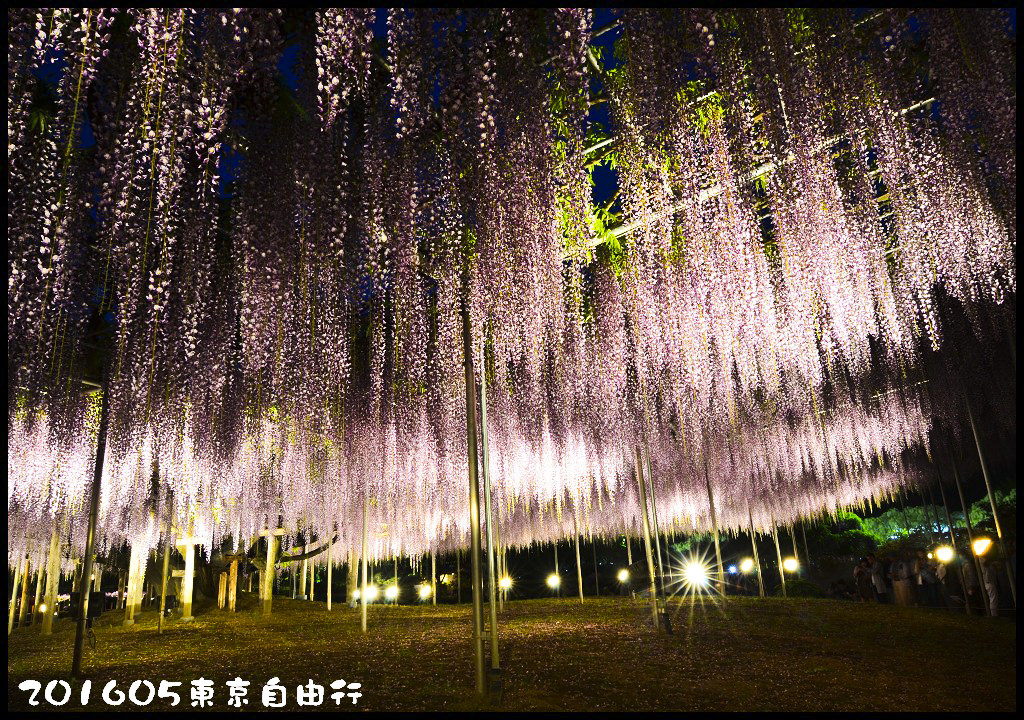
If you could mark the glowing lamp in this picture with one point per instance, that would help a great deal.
(695, 574)
(424, 592)
(553, 580)
(505, 583)
(981, 545)
(391, 593)
(623, 576)
(746, 565)
(371, 593)
(944, 553)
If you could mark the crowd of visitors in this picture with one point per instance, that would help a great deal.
(921, 579)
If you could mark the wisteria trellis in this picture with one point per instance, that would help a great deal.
(799, 190)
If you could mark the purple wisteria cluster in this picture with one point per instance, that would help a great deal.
(267, 271)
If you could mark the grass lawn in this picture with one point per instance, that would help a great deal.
(773, 654)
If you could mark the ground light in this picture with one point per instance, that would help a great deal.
(944, 554)
(746, 565)
(733, 570)
(623, 576)
(391, 593)
(424, 592)
(553, 580)
(371, 593)
(790, 564)
(505, 583)
(981, 545)
(695, 575)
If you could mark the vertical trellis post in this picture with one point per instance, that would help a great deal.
(778, 554)
(757, 559)
(474, 492)
(952, 537)
(714, 527)
(330, 568)
(491, 554)
(52, 576)
(982, 592)
(992, 502)
(647, 535)
(362, 557)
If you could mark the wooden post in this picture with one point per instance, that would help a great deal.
(222, 590)
(597, 581)
(40, 580)
(433, 578)
(120, 588)
(330, 578)
(133, 579)
(188, 580)
(458, 576)
(163, 581)
(233, 586)
(302, 575)
(52, 576)
(268, 572)
(23, 610)
(21, 568)
(312, 579)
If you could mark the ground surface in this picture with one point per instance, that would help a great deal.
(774, 654)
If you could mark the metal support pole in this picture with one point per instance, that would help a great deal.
(757, 560)
(597, 581)
(714, 527)
(992, 501)
(474, 494)
(433, 578)
(647, 536)
(970, 538)
(492, 579)
(778, 553)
